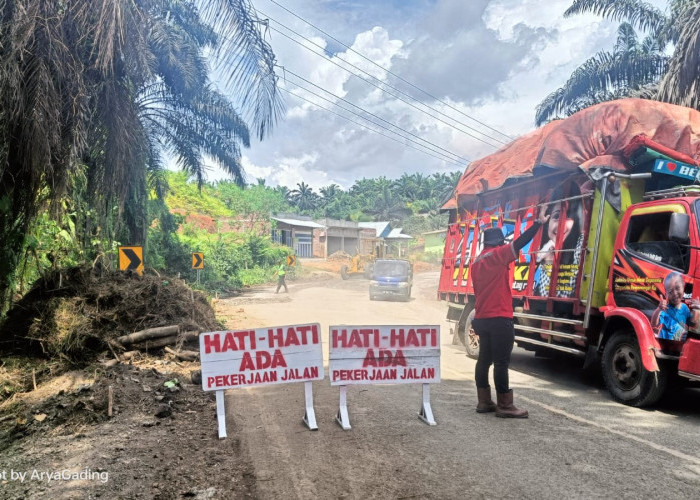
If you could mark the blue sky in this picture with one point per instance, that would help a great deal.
(491, 60)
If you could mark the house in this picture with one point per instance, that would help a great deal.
(325, 237)
(434, 241)
(397, 242)
(296, 232)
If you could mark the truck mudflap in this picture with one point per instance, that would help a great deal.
(642, 328)
(689, 364)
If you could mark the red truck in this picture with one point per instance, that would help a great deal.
(613, 276)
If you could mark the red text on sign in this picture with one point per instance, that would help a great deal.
(300, 335)
(386, 358)
(262, 360)
(359, 337)
(232, 341)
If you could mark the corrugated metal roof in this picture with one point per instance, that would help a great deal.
(396, 234)
(379, 227)
(300, 223)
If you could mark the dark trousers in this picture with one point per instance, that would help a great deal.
(496, 338)
(281, 283)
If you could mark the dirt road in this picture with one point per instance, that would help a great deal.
(161, 444)
(577, 443)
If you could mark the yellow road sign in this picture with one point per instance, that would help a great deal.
(291, 260)
(197, 260)
(131, 259)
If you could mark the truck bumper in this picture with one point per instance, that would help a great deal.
(689, 364)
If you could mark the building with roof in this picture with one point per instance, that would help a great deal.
(296, 232)
(324, 237)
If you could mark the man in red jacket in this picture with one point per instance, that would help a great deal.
(493, 317)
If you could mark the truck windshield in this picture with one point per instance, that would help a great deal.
(391, 269)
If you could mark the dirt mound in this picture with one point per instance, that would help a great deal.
(339, 255)
(72, 313)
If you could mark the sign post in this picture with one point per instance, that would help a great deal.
(264, 356)
(404, 354)
(198, 262)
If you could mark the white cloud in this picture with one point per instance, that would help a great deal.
(493, 60)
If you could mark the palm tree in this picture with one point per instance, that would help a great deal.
(636, 72)
(329, 193)
(303, 197)
(112, 83)
(681, 84)
(608, 75)
(388, 207)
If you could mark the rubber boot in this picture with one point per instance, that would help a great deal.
(486, 404)
(505, 407)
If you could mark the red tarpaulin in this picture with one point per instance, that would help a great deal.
(594, 137)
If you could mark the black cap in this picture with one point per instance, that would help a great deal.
(493, 237)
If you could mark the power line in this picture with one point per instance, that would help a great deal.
(495, 146)
(424, 151)
(389, 71)
(457, 157)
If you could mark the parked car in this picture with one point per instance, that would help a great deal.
(391, 278)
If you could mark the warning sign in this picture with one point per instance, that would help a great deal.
(197, 260)
(263, 356)
(384, 354)
(131, 259)
(291, 260)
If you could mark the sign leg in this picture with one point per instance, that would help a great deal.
(342, 418)
(221, 414)
(426, 412)
(310, 414)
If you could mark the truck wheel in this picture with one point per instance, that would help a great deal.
(471, 339)
(344, 272)
(624, 373)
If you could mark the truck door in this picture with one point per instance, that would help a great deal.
(645, 256)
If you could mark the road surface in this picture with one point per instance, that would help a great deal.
(577, 443)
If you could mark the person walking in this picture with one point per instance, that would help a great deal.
(493, 317)
(281, 278)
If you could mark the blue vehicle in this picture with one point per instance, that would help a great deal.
(391, 278)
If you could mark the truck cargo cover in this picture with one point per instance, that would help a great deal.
(603, 135)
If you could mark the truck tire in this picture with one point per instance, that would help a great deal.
(344, 272)
(624, 373)
(471, 339)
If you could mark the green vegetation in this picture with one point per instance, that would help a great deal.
(228, 223)
(94, 93)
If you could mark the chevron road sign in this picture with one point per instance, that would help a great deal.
(197, 260)
(131, 259)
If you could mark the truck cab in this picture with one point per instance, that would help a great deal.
(391, 279)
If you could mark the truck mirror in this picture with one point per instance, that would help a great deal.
(678, 229)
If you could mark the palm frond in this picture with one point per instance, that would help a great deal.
(638, 13)
(681, 84)
(246, 60)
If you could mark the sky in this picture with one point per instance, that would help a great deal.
(479, 67)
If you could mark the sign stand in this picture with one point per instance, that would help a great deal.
(221, 414)
(426, 411)
(310, 415)
(342, 418)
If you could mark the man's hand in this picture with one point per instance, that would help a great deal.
(543, 216)
(695, 304)
(663, 304)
